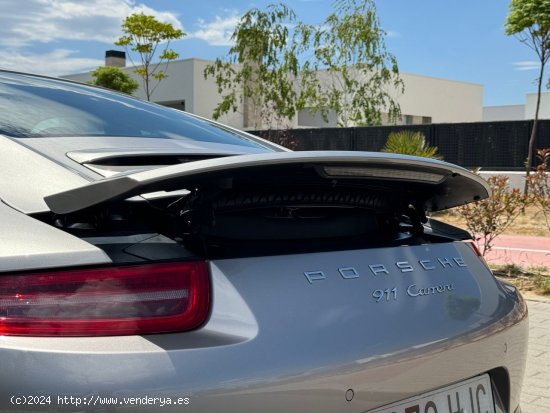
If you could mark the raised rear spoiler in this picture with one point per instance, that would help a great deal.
(439, 185)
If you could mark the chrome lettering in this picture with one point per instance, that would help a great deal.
(404, 266)
(460, 261)
(348, 273)
(445, 261)
(424, 264)
(414, 291)
(315, 276)
(378, 268)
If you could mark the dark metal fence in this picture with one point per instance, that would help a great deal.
(490, 145)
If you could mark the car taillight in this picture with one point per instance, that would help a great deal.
(141, 299)
(476, 250)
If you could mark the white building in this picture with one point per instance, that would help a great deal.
(519, 112)
(426, 99)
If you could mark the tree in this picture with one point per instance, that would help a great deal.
(539, 184)
(272, 73)
(145, 34)
(113, 78)
(262, 71)
(529, 21)
(357, 72)
(490, 217)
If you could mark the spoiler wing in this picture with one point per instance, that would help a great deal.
(444, 185)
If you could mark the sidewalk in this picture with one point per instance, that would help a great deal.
(527, 252)
(535, 394)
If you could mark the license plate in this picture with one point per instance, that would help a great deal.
(469, 396)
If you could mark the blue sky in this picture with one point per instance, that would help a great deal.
(459, 40)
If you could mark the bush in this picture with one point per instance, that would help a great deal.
(113, 78)
(410, 143)
(490, 217)
(539, 186)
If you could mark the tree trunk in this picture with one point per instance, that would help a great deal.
(146, 81)
(533, 138)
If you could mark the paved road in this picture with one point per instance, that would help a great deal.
(535, 396)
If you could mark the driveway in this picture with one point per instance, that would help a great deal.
(535, 396)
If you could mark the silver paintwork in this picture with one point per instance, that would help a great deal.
(91, 156)
(27, 177)
(80, 152)
(457, 191)
(277, 344)
(33, 168)
(30, 244)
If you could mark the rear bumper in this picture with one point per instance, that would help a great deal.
(219, 372)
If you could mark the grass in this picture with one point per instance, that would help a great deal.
(530, 280)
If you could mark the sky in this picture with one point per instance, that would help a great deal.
(459, 40)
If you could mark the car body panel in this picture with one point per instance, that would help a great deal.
(27, 177)
(275, 340)
(36, 245)
(458, 186)
(89, 150)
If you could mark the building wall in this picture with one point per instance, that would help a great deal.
(502, 113)
(177, 87)
(207, 97)
(426, 99)
(445, 101)
(531, 103)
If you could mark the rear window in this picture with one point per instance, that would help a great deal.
(37, 107)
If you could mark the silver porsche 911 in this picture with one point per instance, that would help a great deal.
(154, 261)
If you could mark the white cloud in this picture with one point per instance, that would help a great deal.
(526, 65)
(32, 22)
(51, 20)
(392, 34)
(217, 32)
(54, 63)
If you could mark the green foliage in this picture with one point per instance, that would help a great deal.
(113, 78)
(270, 70)
(144, 34)
(529, 21)
(410, 143)
(263, 71)
(488, 218)
(531, 15)
(350, 49)
(542, 282)
(539, 184)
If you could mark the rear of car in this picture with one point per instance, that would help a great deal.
(150, 271)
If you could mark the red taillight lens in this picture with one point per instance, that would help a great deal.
(140, 299)
(476, 250)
